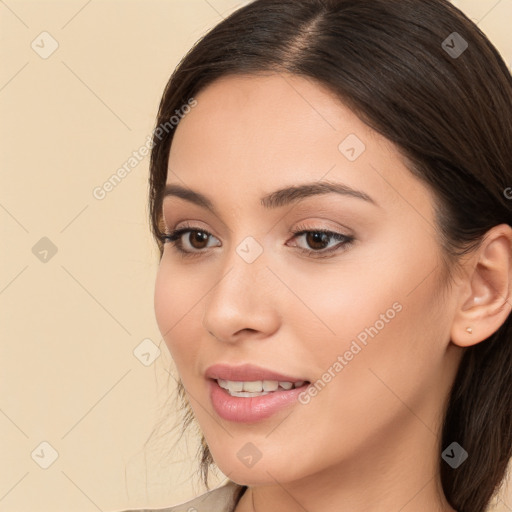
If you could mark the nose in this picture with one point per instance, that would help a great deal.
(244, 302)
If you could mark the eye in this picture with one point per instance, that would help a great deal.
(319, 240)
(196, 242)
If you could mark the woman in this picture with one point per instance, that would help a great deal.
(333, 217)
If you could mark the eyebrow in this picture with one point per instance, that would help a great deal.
(276, 199)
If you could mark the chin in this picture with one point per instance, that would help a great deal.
(261, 472)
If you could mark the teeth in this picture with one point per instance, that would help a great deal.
(270, 385)
(230, 385)
(255, 388)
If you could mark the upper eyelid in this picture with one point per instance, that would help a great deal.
(191, 226)
(316, 212)
(298, 204)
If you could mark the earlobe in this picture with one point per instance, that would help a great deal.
(485, 298)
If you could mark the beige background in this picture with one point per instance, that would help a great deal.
(70, 323)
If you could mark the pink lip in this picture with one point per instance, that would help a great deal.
(251, 409)
(247, 372)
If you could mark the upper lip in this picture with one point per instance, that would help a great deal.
(247, 372)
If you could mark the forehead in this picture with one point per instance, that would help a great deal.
(259, 133)
(268, 113)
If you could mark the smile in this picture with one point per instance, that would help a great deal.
(262, 400)
(256, 387)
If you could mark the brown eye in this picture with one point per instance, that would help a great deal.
(197, 239)
(317, 240)
(195, 242)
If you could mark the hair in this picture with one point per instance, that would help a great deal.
(450, 116)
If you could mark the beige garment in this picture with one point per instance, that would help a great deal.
(221, 499)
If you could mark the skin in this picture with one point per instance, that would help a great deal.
(370, 439)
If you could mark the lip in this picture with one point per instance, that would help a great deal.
(247, 372)
(251, 409)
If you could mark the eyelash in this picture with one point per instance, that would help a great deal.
(174, 237)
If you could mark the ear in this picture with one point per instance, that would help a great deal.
(486, 298)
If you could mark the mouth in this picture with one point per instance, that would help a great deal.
(253, 401)
(249, 393)
(248, 389)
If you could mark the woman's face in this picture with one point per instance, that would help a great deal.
(364, 314)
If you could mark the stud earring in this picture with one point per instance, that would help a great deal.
(469, 329)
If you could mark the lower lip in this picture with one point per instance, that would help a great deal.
(251, 409)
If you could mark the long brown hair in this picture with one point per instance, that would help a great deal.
(448, 108)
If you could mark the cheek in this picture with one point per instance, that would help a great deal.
(177, 312)
(378, 312)
(342, 302)
(392, 338)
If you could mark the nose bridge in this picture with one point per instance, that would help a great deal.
(242, 297)
(244, 273)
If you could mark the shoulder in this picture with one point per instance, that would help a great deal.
(221, 499)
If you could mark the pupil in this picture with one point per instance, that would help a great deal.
(199, 237)
(317, 237)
